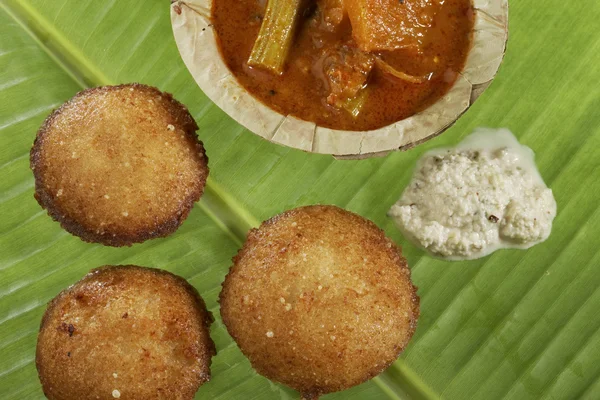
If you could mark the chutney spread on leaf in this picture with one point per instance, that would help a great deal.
(345, 64)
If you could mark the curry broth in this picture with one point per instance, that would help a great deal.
(301, 92)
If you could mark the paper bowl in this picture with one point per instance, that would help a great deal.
(196, 40)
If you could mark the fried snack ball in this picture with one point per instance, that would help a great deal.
(319, 299)
(119, 164)
(125, 332)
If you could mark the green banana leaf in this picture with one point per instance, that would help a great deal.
(515, 325)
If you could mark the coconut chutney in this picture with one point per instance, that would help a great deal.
(482, 195)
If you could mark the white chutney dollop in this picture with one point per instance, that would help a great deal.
(470, 200)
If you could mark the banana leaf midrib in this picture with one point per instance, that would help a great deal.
(219, 205)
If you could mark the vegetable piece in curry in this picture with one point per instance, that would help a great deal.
(345, 64)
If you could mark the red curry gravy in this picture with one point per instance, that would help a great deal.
(302, 90)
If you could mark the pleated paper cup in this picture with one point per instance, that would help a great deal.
(196, 40)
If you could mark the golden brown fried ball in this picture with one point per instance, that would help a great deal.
(319, 299)
(125, 332)
(119, 164)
